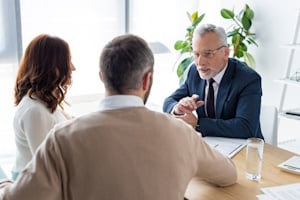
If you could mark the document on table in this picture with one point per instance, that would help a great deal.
(291, 165)
(227, 146)
(283, 192)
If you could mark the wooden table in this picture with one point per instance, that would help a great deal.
(246, 189)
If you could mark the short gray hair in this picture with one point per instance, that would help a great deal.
(202, 29)
(124, 61)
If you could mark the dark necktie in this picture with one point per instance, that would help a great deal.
(210, 104)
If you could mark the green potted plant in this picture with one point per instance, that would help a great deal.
(239, 36)
(185, 46)
(239, 33)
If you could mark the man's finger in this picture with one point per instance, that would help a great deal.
(199, 103)
(195, 97)
(185, 109)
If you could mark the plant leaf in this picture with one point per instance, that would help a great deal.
(178, 45)
(239, 53)
(232, 33)
(183, 65)
(243, 47)
(249, 12)
(189, 16)
(185, 73)
(187, 47)
(252, 41)
(194, 16)
(246, 22)
(236, 39)
(249, 60)
(198, 20)
(182, 46)
(227, 14)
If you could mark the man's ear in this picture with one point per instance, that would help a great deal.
(227, 51)
(147, 80)
(101, 76)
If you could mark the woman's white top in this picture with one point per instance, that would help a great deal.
(32, 122)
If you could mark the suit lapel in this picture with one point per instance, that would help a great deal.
(200, 90)
(202, 95)
(224, 88)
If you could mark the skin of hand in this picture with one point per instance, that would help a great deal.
(187, 105)
(189, 118)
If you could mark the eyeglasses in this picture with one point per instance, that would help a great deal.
(208, 53)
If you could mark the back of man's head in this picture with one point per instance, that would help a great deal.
(123, 63)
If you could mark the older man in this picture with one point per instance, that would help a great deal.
(229, 90)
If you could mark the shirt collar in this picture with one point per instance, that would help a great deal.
(120, 101)
(220, 75)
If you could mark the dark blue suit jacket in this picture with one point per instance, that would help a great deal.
(237, 105)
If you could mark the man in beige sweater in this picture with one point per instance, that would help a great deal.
(123, 150)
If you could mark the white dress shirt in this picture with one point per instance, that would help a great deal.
(216, 84)
(120, 101)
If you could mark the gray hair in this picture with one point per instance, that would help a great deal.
(202, 29)
(124, 61)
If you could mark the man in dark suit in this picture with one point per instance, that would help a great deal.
(230, 105)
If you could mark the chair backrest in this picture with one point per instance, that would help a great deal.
(269, 123)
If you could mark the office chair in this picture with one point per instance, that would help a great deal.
(269, 123)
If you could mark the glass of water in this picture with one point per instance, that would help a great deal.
(254, 158)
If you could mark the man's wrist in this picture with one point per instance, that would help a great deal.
(178, 114)
(173, 112)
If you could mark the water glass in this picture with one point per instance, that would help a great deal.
(254, 158)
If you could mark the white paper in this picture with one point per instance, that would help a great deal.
(227, 146)
(283, 192)
(264, 197)
(291, 165)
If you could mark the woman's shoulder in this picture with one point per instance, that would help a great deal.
(31, 102)
(28, 106)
